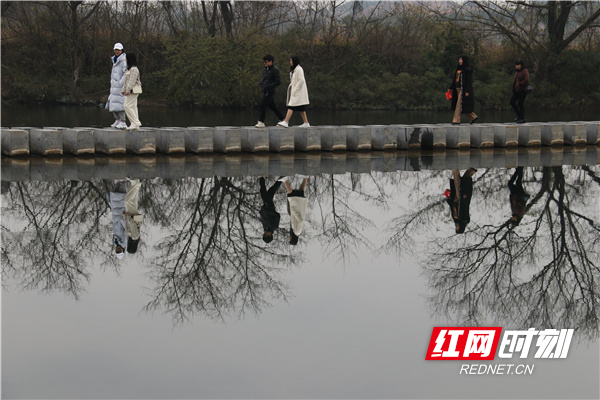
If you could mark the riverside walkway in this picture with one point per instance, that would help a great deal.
(83, 141)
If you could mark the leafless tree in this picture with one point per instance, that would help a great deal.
(72, 18)
(539, 29)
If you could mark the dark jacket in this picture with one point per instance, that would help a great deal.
(271, 78)
(269, 217)
(465, 83)
(518, 199)
(521, 80)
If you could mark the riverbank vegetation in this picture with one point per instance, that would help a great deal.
(356, 54)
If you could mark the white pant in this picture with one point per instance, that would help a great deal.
(131, 198)
(133, 218)
(131, 109)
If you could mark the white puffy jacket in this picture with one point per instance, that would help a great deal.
(117, 79)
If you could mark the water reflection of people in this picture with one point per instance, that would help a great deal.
(461, 191)
(116, 200)
(133, 217)
(268, 214)
(297, 203)
(518, 196)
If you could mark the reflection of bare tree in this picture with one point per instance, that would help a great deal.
(542, 273)
(214, 260)
(211, 257)
(595, 241)
(51, 231)
(408, 229)
(58, 230)
(341, 223)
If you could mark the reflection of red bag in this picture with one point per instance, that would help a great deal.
(449, 95)
(447, 193)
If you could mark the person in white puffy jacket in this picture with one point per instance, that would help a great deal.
(297, 94)
(116, 200)
(116, 100)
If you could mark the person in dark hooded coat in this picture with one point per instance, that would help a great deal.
(459, 198)
(463, 99)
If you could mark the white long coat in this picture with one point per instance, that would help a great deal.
(117, 79)
(297, 94)
(297, 210)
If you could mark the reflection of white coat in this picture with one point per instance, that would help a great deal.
(297, 94)
(133, 218)
(297, 210)
(117, 80)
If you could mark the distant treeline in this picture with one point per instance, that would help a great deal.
(356, 54)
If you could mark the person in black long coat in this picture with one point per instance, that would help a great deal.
(459, 199)
(463, 99)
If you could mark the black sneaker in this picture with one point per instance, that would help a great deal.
(475, 120)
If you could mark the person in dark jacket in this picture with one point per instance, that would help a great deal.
(271, 78)
(459, 199)
(518, 196)
(268, 214)
(519, 93)
(463, 100)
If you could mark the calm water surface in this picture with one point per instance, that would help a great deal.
(205, 309)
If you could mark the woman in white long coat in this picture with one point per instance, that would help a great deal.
(297, 95)
(132, 89)
(297, 204)
(116, 100)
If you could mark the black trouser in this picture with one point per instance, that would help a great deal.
(267, 195)
(515, 184)
(517, 101)
(268, 101)
(517, 176)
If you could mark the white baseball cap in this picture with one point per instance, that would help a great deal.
(118, 46)
(120, 255)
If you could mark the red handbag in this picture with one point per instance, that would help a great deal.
(449, 95)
